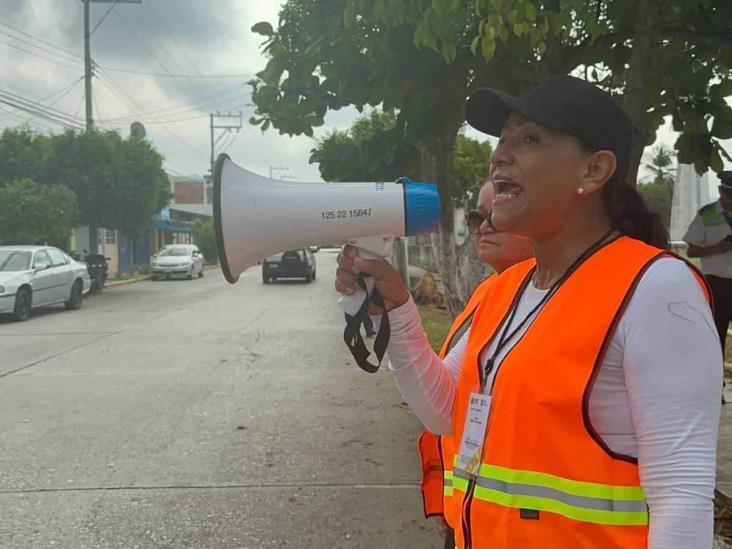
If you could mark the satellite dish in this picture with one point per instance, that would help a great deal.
(137, 130)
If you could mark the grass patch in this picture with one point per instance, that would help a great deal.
(436, 323)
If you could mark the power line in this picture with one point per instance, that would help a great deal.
(35, 106)
(63, 56)
(64, 92)
(228, 145)
(178, 110)
(29, 35)
(178, 75)
(161, 20)
(65, 88)
(162, 122)
(78, 107)
(160, 45)
(136, 105)
(134, 34)
(96, 105)
(74, 57)
(13, 113)
(102, 19)
(51, 115)
(15, 46)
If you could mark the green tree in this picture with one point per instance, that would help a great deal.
(662, 166)
(469, 168)
(661, 57)
(36, 214)
(658, 197)
(119, 183)
(205, 239)
(23, 154)
(658, 191)
(422, 58)
(325, 57)
(371, 150)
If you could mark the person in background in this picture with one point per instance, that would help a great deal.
(499, 251)
(710, 238)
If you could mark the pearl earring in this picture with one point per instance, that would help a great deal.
(581, 190)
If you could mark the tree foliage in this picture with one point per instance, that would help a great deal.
(658, 191)
(423, 58)
(205, 239)
(661, 58)
(22, 155)
(469, 168)
(373, 150)
(661, 165)
(120, 183)
(36, 214)
(658, 197)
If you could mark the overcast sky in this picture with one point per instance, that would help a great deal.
(186, 39)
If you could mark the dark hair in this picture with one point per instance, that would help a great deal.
(627, 210)
(629, 214)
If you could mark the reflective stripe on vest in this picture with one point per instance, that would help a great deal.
(582, 501)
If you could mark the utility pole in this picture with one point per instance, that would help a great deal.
(87, 51)
(87, 68)
(227, 122)
(213, 155)
(93, 229)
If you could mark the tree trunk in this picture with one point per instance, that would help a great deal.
(93, 230)
(471, 270)
(635, 100)
(447, 258)
(438, 169)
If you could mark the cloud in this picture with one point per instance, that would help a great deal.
(157, 36)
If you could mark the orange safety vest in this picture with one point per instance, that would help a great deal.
(546, 478)
(430, 445)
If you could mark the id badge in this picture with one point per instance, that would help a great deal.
(471, 445)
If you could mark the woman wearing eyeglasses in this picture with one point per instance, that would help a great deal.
(499, 251)
(586, 408)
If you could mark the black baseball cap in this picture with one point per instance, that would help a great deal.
(725, 180)
(562, 103)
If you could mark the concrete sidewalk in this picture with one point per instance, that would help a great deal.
(724, 448)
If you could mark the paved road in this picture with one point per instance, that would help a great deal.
(199, 414)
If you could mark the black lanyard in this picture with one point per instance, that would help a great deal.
(506, 337)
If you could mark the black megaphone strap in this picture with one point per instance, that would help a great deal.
(352, 333)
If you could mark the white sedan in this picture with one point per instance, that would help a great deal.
(36, 276)
(177, 260)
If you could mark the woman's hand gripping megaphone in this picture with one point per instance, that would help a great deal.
(386, 278)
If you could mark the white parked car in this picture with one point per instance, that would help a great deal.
(36, 276)
(177, 260)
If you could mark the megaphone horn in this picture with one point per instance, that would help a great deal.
(256, 217)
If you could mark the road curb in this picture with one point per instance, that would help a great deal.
(147, 277)
(125, 282)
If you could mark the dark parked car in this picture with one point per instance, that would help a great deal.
(292, 264)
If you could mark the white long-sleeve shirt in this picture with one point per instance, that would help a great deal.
(656, 397)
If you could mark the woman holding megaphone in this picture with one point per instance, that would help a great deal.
(583, 404)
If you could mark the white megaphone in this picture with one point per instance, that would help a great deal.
(256, 217)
